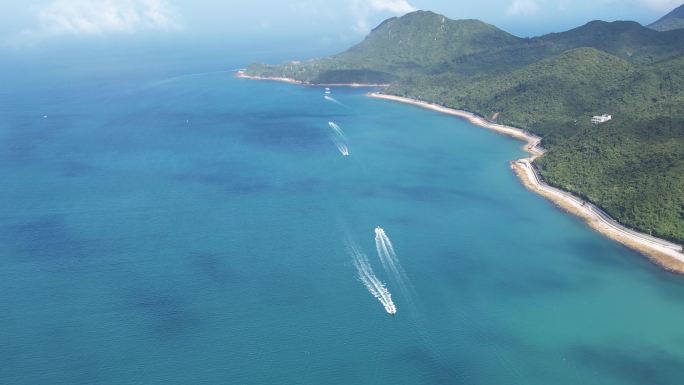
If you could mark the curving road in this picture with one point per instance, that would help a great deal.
(671, 249)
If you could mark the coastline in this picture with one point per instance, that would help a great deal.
(532, 141)
(666, 254)
(242, 75)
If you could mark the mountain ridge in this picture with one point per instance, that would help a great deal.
(672, 21)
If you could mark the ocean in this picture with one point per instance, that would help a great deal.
(163, 222)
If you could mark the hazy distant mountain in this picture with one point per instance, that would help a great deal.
(626, 39)
(673, 20)
(632, 166)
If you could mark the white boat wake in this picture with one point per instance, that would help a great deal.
(183, 76)
(331, 99)
(372, 283)
(339, 139)
(386, 251)
(344, 150)
(337, 129)
(391, 264)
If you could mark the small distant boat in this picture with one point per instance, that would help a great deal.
(327, 91)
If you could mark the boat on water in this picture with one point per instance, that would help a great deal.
(327, 91)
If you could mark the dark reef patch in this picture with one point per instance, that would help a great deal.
(46, 238)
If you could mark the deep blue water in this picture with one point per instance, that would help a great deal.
(167, 223)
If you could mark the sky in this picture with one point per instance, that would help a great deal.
(334, 23)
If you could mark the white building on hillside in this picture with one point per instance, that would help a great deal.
(601, 119)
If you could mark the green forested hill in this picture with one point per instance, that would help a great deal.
(632, 166)
(538, 97)
(421, 42)
(424, 42)
(429, 44)
(626, 39)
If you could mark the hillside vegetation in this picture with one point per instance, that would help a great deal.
(632, 166)
(671, 21)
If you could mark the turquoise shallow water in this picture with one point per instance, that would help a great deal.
(166, 224)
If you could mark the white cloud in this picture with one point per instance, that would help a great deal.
(522, 8)
(393, 6)
(102, 17)
(662, 5)
(364, 9)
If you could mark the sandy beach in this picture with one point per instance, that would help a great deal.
(532, 141)
(243, 75)
(664, 253)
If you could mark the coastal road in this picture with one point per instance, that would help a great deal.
(671, 249)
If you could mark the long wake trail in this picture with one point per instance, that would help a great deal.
(333, 100)
(366, 275)
(388, 257)
(342, 148)
(183, 76)
(337, 129)
(391, 264)
(339, 139)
